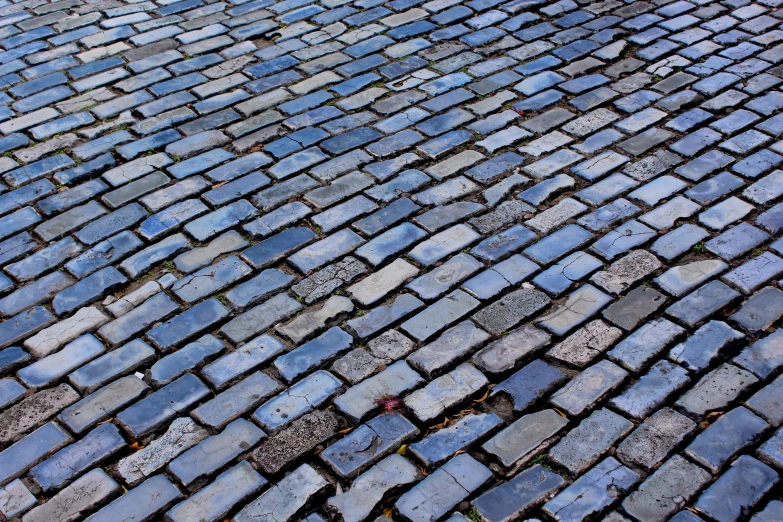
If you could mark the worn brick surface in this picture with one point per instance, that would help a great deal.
(391, 259)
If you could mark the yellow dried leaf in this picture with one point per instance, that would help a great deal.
(403, 450)
(482, 399)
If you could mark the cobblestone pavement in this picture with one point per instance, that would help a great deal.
(408, 260)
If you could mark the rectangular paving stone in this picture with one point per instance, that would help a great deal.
(146, 501)
(52, 367)
(651, 390)
(583, 446)
(109, 366)
(123, 328)
(519, 495)
(24, 454)
(716, 389)
(578, 307)
(24, 325)
(447, 348)
(439, 315)
(586, 495)
(362, 398)
(102, 403)
(214, 452)
(182, 434)
(160, 407)
(369, 489)
(84, 494)
(503, 354)
(368, 443)
(16, 499)
(726, 437)
(287, 497)
(525, 437)
(653, 500)
(66, 464)
(216, 500)
(297, 440)
(442, 490)
(652, 442)
(704, 301)
(189, 323)
(445, 392)
(261, 317)
(313, 353)
(698, 351)
(439, 446)
(739, 489)
(514, 307)
(302, 397)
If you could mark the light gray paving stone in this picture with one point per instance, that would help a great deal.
(376, 286)
(626, 271)
(182, 434)
(85, 493)
(716, 390)
(440, 279)
(214, 452)
(216, 500)
(308, 323)
(362, 398)
(100, 404)
(653, 440)
(370, 488)
(521, 440)
(442, 313)
(50, 339)
(287, 497)
(585, 344)
(437, 494)
(636, 350)
(503, 354)
(382, 316)
(651, 390)
(16, 499)
(578, 308)
(663, 492)
(738, 489)
(144, 502)
(445, 392)
(584, 391)
(447, 348)
(585, 444)
(680, 280)
(368, 443)
(587, 495)
(761, 358)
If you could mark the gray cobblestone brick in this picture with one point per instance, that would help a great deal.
(578, 199)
